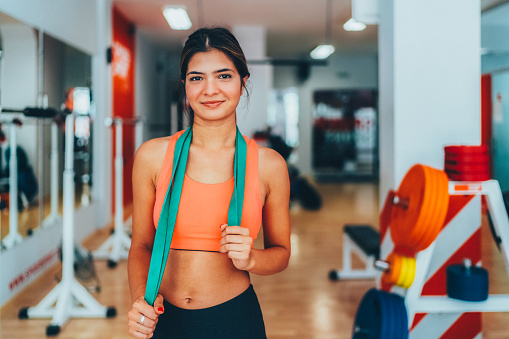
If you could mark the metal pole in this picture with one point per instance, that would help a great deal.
(119, 180)
(54, 169)
(68, 217)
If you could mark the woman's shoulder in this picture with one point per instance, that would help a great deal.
(151, 153)
(270, 161)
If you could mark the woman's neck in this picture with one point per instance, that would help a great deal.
(214, 136)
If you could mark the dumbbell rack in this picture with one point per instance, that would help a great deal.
(465, 226)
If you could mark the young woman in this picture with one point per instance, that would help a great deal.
(206, 291)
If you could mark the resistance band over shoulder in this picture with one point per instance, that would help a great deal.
(168, 217)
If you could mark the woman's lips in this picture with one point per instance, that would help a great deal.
(212, 104)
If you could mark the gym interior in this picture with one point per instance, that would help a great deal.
(397, 147)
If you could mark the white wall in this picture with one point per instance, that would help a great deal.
(341, 72)
(152, 95)
(252, 113)
(429, 83)
(19, 80)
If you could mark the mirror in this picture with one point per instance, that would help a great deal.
(36, 70)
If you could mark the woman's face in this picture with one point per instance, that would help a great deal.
(213, 86)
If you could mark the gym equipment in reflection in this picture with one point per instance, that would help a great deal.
(116, 247)
(430, 259)
(15, 118)
(69, 299)
(345, 129)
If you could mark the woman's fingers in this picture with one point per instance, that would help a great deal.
(142, 319)
(225, 230)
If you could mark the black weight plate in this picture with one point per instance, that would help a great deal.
(381, 315)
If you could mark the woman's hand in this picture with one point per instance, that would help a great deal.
(143, 317)
(236, 242)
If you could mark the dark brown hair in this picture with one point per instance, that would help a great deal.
(205, 40)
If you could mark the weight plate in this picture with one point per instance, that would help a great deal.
(430, 227)
(391, 276)
(415, 190)
(410, 273)
(467, 167)
(466, 177)
(467, 159)
(381, 315)
(469, 284)
(483, 149)
(439, 211)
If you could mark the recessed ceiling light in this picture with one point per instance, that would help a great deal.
(177, 17)
(322, 52)
(354, 25)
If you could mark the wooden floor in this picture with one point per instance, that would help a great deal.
(300, 302)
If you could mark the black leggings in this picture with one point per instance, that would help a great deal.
(238, 318)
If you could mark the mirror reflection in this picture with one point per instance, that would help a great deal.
(36, 71)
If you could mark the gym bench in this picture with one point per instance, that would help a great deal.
(364, 241)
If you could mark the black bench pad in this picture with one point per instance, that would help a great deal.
(366, 237)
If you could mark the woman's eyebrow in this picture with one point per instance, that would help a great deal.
(195, 72)
(224, 70)
(215, 72)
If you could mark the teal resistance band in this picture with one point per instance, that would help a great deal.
(166, 224)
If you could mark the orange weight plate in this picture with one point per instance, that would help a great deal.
(391, 276)
(435, 225)
(428, 228)
(439, 211)
(423, 227)
(415, 191)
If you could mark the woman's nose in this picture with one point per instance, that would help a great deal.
(210, 87)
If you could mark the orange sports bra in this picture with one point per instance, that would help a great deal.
(203, 207)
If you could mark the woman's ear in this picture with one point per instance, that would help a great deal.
(243, 85)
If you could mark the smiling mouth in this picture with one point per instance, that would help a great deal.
(212, 104)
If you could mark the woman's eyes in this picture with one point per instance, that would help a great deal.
(221, 76)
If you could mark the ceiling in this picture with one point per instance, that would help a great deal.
(294, 27)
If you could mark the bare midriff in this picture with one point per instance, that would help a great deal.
(199, 279)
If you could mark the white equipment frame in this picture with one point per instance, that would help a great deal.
(70, 298)
(415, 303)
(13, 237)
(347, 273)
(116, 247)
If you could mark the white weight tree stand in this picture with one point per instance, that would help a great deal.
(13, 237)
(54, 217)
(69, 299)
(117, 246)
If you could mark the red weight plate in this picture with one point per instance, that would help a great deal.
(467, 173)
(469, 177)
(467, 159)
(480, 149)
(467, 167)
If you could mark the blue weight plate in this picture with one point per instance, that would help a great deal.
(401, 325)
(391, 318)
(381, 315)
(467, 284)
